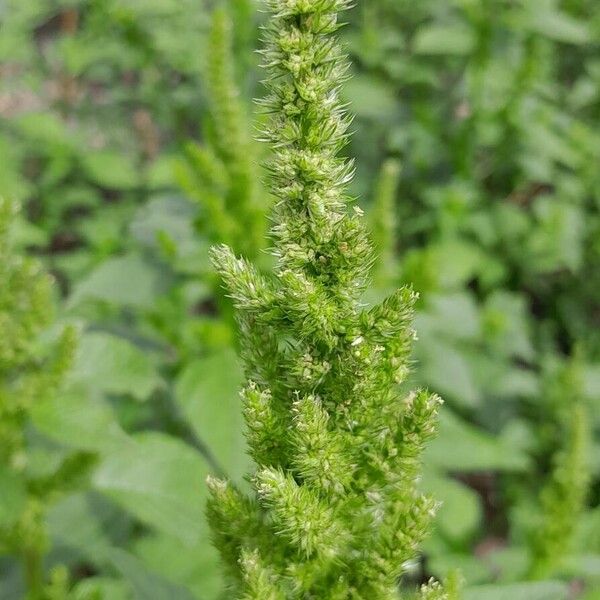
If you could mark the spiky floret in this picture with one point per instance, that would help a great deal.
(433, 591)
(335, 510)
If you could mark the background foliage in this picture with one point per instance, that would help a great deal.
(126, 133)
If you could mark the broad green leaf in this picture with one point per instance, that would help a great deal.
(111, 169)
(145, 584)
(196, 568)
(511, 563)
(591, 381)
(13, 496)
(584, 565)
(454, 315)
(44, 460)
(559, 26)
(507, 326)
(460, 446)
(111, 364)
(166, 224)
(208, 393)
(164, 216)
(101, 587)
(11, 582)
(370, 97)
(446, 561)
(161, 481)
(79, 420)
(460, 512)
(104, 232)
(447, 370)
(543, 590)
(448, 264)
(44, 127)
(557, 240)
(444, 39)
(127, 280)
(72, 523)
(497, 376)
(160, 174)
(551, 144)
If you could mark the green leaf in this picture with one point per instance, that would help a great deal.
(104, 232)
(444, 265)
(146, 585)
(583, 565)
(13, 496)
(557, 240)
(509, 563)
(44, 127)
(507, 325)
(445, 561)
(455, 315)
(591, 381)
(462, 447)
(551, 144)
(447, 370)
(559, 26)
(208, 393)
(161, 481)
(72, 522)
(196, 568)
(79, 420)
(460, 513)
(127, 280)
(370, 97)
(111, 364)
(444, 39)
(110, 169)
(543, 590)
(160, 173)
(164, 216)
(101, 587)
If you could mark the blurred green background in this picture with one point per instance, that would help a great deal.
(127, 133)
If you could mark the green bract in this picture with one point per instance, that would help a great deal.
(334, 511)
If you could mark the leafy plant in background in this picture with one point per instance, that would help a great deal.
(27, 376)
(490, 107)
(87, 130)
(335, 511)
(220, 176)
(497, 228)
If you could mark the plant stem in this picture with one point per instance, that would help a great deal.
(34, 574)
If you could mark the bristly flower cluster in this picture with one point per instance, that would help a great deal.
(335, 511)
(383, 223)
(26, 308)
(221, 173)
(25, 378)
(563, 497)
